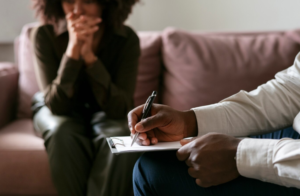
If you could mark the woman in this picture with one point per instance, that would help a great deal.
(86, 66)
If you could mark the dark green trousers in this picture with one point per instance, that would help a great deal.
(80, 159)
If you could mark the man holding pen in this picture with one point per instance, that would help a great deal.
(218, 161)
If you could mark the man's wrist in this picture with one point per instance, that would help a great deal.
(235, 148)
(190, 120)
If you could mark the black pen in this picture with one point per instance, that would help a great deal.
(146, 110)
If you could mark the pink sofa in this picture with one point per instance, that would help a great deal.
(188, 69)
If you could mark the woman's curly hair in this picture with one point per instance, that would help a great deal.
(114, 14)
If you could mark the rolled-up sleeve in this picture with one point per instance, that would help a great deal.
(274, 161)
(272, 106)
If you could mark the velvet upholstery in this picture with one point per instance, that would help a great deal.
(24, 164)
(8, 89)
(204, 68)
(187, 68)
(27, 80)
(149, 69)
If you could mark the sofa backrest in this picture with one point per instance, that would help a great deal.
(150, 66)
(204, 68)
(27, 80)
(147, 80)
(8, 84)
(199, 68)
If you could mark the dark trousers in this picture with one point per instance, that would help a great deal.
(80, 160)
(160, 173)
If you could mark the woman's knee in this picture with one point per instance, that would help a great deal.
(57, 128)
(110, 128)
(64, 128)
(65, 137)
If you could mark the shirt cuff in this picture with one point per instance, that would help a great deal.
(211, 118)
(67, 74)
(255, 159)
(99, 74)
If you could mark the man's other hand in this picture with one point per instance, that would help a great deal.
(211, 158)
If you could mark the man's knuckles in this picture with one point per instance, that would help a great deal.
(181, 154)
(130, 125)
(196, 158)
(203, 183)
(192, 172)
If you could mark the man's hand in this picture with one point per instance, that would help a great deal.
(164, 124)
(211, 158)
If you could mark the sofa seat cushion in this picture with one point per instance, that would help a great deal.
(25, 170)
(204, 68)
(27, 80)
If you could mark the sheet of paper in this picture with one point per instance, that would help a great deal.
(135, 147)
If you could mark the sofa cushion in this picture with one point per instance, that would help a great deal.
(150, 65)
(8, 91)
(25, 170)
(27, 80)
(204, 68)
(148, 72)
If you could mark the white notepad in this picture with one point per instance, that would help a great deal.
(123, 145)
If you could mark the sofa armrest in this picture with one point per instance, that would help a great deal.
(8, 92)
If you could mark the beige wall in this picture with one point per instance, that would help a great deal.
(7, 53)
(13, 15)
(155, 15)
(216, 15)
(212, 15)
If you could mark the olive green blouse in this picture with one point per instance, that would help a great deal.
(69, 86)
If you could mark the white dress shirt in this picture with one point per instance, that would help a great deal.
(270, 107)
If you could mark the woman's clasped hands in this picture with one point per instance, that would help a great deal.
(82, 40)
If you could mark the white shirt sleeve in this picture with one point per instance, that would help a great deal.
(274, 161)
(272, 106)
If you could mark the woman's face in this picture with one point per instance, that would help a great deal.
(82, 7)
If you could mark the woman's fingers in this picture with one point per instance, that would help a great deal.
(70, 16)
(82, 25)
(85, 29)
(85, 21)
(83, 34)
(82, 28)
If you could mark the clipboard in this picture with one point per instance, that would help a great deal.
(119, 145)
